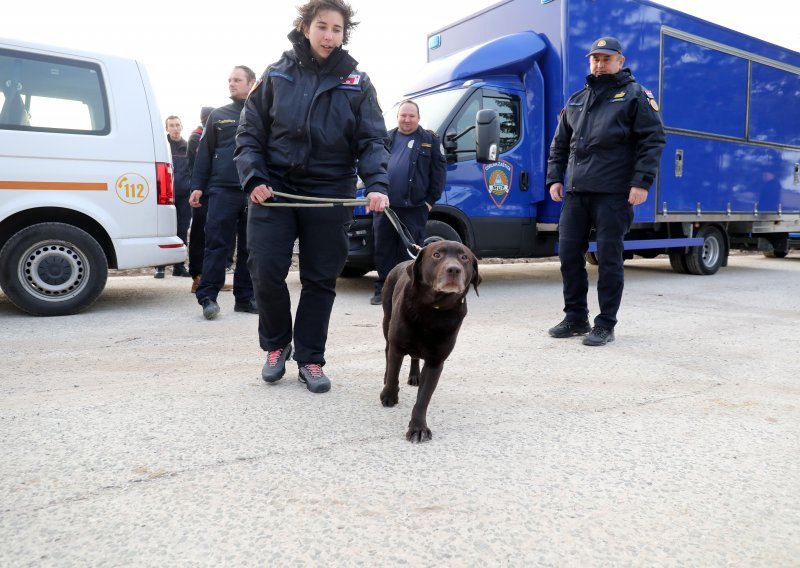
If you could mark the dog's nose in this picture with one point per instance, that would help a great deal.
(454, 270)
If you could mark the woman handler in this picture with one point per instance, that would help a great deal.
(308, 127)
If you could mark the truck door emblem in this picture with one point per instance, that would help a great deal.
(498, 176)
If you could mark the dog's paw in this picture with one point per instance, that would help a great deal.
(416, 435)
(413, 380)
(389, 399)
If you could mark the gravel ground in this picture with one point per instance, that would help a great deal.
(139, 434)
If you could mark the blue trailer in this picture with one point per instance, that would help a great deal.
(730, 172)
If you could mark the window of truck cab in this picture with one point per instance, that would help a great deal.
(51, 94)
(508, 110)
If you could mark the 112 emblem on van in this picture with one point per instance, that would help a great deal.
(132, 188)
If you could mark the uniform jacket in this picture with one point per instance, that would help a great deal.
(192, 145)
(213, 165)
(609, 137)
(426, 171)
(181, 175)
(309, 128)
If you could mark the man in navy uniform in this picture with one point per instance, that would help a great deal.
(417, 170)
(608, 143)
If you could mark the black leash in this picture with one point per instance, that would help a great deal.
(405, 235)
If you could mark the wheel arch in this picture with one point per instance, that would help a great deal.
(456, 219)
(22, 219)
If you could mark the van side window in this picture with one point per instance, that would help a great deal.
(51, 94)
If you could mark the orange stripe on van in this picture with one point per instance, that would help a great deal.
(54, 185)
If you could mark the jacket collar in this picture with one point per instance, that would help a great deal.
(340, 62)
(623, 77)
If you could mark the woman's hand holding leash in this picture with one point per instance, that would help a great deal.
(261, 193)
(377, 201)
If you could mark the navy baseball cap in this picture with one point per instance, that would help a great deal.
(608, 45)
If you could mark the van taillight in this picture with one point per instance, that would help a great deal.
(166, 193)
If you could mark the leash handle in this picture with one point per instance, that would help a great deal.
(412, 248)
(315, 201)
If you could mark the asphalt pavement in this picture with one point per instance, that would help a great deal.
(139, 434)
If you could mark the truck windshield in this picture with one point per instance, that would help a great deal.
(433, 109)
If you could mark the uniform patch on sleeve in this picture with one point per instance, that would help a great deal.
(651, 99)
(352, 79)
(255, 86)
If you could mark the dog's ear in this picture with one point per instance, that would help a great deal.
(415, 269)
(476, 277)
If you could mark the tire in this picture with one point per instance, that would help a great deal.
(677, 260)
(708, 258)
(439, 230)
(776, 253)
(591, 258)
(52, 269)
(353, 272)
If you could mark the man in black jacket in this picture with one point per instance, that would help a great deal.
(215, 174)
(417, 170)
(608, 142)
(181, 176)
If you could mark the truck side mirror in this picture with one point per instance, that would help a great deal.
(449, 143)
(487, 135)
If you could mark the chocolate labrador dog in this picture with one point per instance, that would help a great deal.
(424, 303)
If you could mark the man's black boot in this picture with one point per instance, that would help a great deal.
(568, 328)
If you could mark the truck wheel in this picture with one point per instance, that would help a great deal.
(776, 253)
(677, 260)
(591, 258)
(52, 269)
(707, 259)
(441, 230)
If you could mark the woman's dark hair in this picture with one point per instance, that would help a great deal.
(308, 11)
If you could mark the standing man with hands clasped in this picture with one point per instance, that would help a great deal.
(417, 170)
(309, 126)
(215, 174)
(608, 142)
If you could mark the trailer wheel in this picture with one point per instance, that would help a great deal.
(442, 230)
(776, 253)
(591, 258)
(707, 259)
(677, 260)
(52, 269)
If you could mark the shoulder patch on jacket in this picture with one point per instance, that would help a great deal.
(352, 79)
(651, 99)
(255, 86)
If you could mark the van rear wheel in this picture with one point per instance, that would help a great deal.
(52, 269)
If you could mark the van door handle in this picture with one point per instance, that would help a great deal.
(524, 179)
(678, 163)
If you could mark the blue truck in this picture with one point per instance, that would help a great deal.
(729, 177)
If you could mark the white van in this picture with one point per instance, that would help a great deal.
(85, 176)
